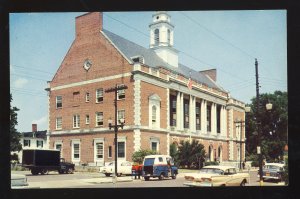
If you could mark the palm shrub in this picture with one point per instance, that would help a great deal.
(190, 154)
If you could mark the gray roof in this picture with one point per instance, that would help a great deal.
(130, 49)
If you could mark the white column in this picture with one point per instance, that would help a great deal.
(225, 122)
(222, 118)
(212, 118)
(168, 108)
(203, 116)
(178, 112)
(192, 114)
(181, 112)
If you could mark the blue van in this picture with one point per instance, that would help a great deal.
(159, 166)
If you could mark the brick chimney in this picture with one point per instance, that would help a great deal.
(89, 23)
(212, 73)
(34, 127)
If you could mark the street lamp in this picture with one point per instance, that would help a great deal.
(116, 126)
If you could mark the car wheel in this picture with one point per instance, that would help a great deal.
(119, 174)
(60, 171)
(107, 174)
(174, 176)
(34, 172)
(70, 171)
(161, 177)
(243, 183)
(146, 178)
(44, 171)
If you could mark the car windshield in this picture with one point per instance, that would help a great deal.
(212, 171)
(272, 167)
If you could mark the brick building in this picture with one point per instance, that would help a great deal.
(165, 101)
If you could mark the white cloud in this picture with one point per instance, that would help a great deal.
(41, 123)
(20, 83)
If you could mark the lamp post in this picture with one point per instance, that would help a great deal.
(116, 126)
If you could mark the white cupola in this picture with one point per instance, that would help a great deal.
(161, 37)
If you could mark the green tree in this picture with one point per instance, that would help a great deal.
(189, 154)
(15, 136)
(138, 156)
(273, 126)
(174, 153)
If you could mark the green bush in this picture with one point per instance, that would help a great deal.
(211, 163)
(254, 159)
(138, 156)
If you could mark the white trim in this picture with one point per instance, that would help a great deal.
(75, 160)
(168, 143)
(154, 100)
(137, 102)
(168, 109)
(98, 160)
(91, 81)
(137, 139)
(57, 142)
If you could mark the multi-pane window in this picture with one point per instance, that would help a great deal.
(39, 143)
(218, 119)
(99, 95)
(154, 146)
(59, 123)
(121, 93)
(87, 97)
(110, 151)
(208, 117)
(76, 151)
(99, 118)
(58, 101)
(87, 119)
(121, 115)
(27, 143)
(172, 110)
(186, 113)
(121, 149)
(99, 150)
(153, 115)
(76, 121)
(198, 116)
(156, 36)
(58, 146)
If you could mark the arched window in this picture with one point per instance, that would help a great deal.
(153, 115)
(156, 36)
(169, 37)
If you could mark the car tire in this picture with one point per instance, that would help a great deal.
(60, 171)
(70, 171)
(243, 183)
(146, 178)
(44, 171)
(161, 176)
(174, 176)
(34, 172)
(107, 174)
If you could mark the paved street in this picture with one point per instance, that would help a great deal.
(97, 180)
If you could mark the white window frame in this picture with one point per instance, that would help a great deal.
(76, 121)
(57, 126)
(87, 97)
(154, 100)
(120, 92)
(29, 142)
(37, 145)
(122, 139)
(119, 116)
(156, 36)
(154, 140)
(98, 118)
(87, 119)
(96, 142)
(59, 142)
(76, 160)
(99, 95)
(58, 101)
(154, 115)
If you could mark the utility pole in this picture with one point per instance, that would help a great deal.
(259, 151)
(116, 126)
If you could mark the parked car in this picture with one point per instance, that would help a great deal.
(273, 171)
(159, 166)
(124, 168)
(211, 176)
(18, 181)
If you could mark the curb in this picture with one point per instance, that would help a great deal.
(107, 180)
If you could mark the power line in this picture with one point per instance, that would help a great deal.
(216, 35)
(38, 70)
(14, 74)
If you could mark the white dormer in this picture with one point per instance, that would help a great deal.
(162, 37)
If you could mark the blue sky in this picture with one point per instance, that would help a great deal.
(226, 40)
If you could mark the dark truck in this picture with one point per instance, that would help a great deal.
(42, 161)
